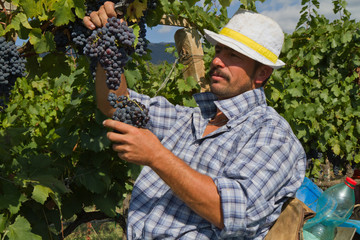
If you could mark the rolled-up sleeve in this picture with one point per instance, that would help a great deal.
(256, 183)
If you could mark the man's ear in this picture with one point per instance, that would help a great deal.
(262, 74)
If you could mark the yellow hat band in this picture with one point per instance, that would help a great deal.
(250, 43)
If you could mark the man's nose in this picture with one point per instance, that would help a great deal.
(217, 62)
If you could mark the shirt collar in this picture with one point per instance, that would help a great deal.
(231, 107)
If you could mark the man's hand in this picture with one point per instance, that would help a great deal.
(99, 18)
(135, 145)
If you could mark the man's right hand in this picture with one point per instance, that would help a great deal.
(99, 18)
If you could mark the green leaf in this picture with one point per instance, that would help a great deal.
(132, 77)
(41, 193)
(93, 180)
(357, 158)
(288, 44)
(11, 198)
(183, 86)
(21, 230)
(336, 90)
(42, 43)
(295, 92)
(336, 149)
(18, 20)
(79, 8)
(63, 12)
(31, 8)
(347, 37)
(106, 205)
(225, 3)
(52, 182)
(3, 222)
(325, 95)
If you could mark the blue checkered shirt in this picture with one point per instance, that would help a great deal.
(255, 160)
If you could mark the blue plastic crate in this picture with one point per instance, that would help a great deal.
(308, 193)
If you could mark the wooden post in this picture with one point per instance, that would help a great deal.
(188, 45)
(189, 48)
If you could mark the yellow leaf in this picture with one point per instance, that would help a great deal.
(135, 10)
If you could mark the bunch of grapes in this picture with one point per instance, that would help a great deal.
(12, 66)
(141, 46)
(79, 33)
(111, 45)
(61, 40)
(129, 111)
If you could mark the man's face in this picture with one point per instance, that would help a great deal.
(231, 73)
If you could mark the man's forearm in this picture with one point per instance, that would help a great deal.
(102, 91)
(197, 190)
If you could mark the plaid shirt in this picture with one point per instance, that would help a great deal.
(255, 160)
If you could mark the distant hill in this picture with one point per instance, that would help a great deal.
(158, 53)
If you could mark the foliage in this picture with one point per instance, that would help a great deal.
(56, 161)
(318, 90)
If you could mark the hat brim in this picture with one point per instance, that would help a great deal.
(215, 38)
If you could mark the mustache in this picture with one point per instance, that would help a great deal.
(216, 71)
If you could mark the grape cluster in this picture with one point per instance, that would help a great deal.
(129, 111)
(61, 40)
(12, 66)
(337, 162)
(141, 46)
(111, 45)
(79, 33)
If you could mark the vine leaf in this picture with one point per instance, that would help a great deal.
(79, 8)
(41, 193)
(135, 10)
(17, 21)
(21, 229)
(42, 42)
(31, 8)
(63, 12)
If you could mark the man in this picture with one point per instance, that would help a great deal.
(223, 169)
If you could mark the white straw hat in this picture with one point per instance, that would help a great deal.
(252, 34)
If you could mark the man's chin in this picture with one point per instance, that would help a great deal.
(219, 92)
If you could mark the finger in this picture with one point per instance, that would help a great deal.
(117, 138)
(110, 9)
(95, 19)
(103, 15)
(88, 23)
(119, 148)
(118, 126)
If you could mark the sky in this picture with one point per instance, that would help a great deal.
(285, 12)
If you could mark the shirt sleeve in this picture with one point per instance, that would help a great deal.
(162, 113)
(256, 183)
